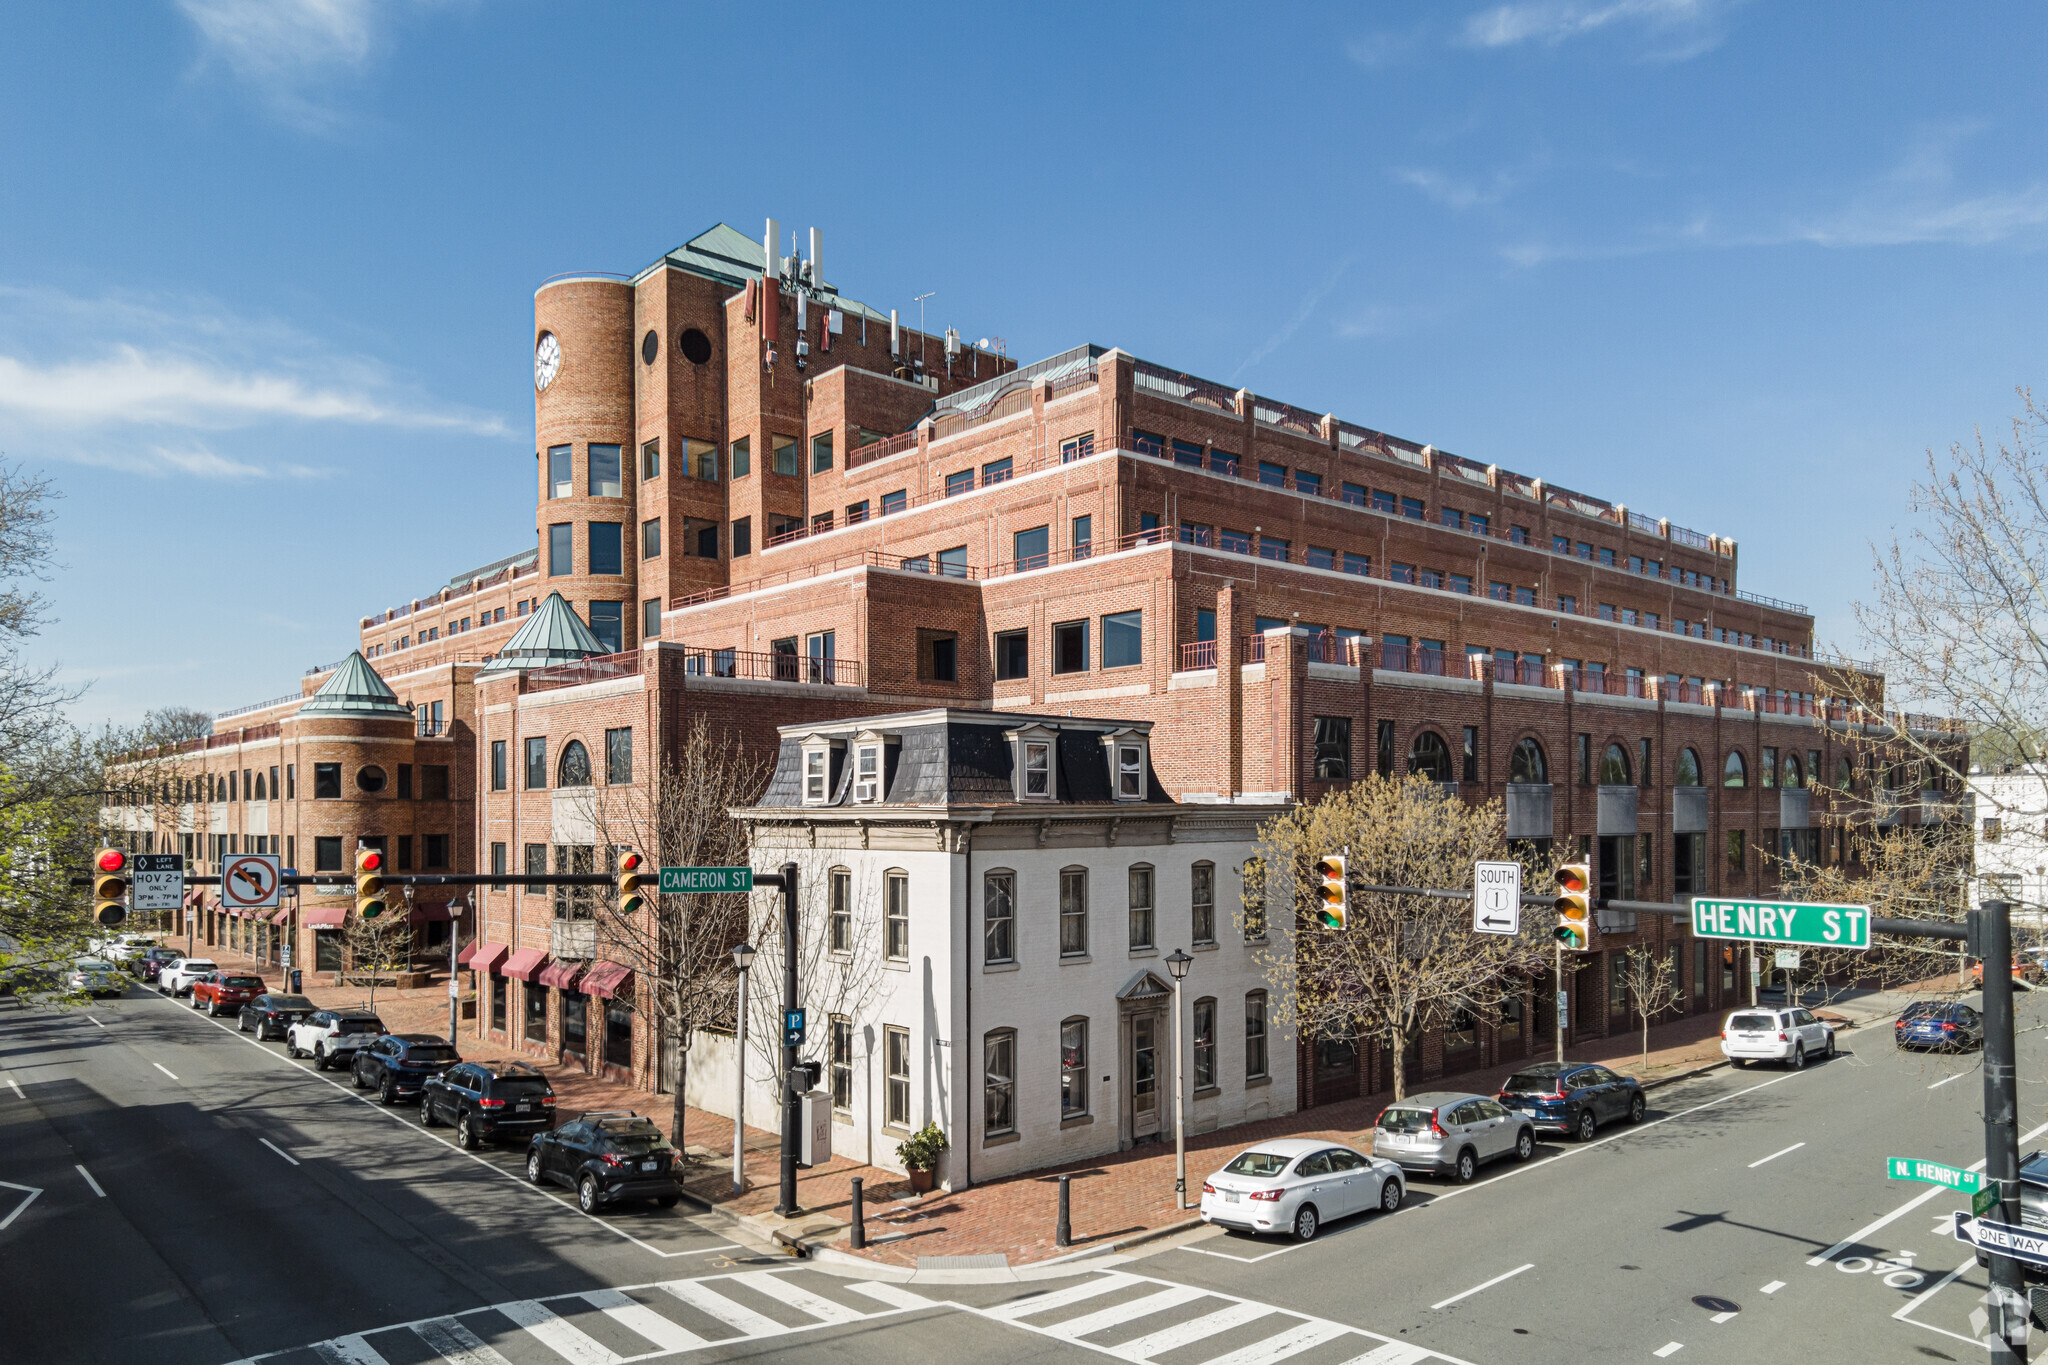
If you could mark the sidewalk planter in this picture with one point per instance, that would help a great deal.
(919, 1153)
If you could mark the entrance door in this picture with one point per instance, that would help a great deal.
(1144, 1075)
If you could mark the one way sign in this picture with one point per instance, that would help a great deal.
(1496, 898)
(2018, 1243)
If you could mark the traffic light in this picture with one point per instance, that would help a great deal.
(109, 887)
(634, 883)
(1575, 906)
(1332, 908)
(370, 901)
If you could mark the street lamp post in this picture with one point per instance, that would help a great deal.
(1178, 964)
(742, 958)
(454, 966)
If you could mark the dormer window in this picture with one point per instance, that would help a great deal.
(1031, 757)
(1038, 769)
(815, 789)
(867, 773)
(1125, 750)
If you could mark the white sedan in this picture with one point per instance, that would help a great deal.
(1297, 1185)
(177, 976)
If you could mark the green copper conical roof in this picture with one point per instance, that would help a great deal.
(354, 689)
(552, 635)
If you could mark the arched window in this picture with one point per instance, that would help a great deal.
(1614, 767)
(1687, 773)
(260, 787)
(573, 770)
(1791, 778)
(1527, 764)
(1430, 757)
(1845, 773)
(1734, 773)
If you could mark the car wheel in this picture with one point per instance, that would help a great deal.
(1635, 1109)
(465, 1135)
(586, 1194)
(387, 1093)
(355, 1075)
(426, 1112)
(1587, 1127)
(1739, 1063)
(1798, 1061)
(533, 1165)
(1390, 1196)
(668, 1201)
(1830, 1053)
(319, 1056)
(1467, 1167)
(1306, 1222)
(241, 1024)
(1525, 1145)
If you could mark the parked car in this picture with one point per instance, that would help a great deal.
(1297, 1185)
(488, 1100)
(124, 947)
(2027, 972)
(1944, 1024)
(1451, 1133)
(153, 960)
(1788, 1036)
(96, 976)
(331, 1036)
(398, 1064)
(224, 991)
(606, 1157)
(272, 1016)
(180, 972)
(1573, 1097)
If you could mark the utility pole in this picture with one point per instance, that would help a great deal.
(1557, 973)
(454, 990)
(920, 327)
(1991, 926)
(792, 1098)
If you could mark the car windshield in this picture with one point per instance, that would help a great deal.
(255, 981)
(1406, 1120)
(519, 1085)
(359, 1025)
(1530, 1083)
(1752, 1023)
(198, 964)
(290, 1002)
(93, 964)
(431, 1052)
(1923, 1009)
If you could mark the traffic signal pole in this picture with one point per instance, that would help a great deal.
(792, 1098)
(1992, 923)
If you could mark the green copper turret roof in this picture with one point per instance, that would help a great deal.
(354, 689)
(554, 634)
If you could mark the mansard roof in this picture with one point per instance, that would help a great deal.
(554, 634)
(355, 689)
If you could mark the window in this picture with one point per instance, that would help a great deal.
(327, 853)
(561, 549)
(1333, 748)
(1430, 757)
(742, 537)
(650, 538)
(1767, 769)
(1070, 647)
(1469, 760)
(1254, 1035)
(536, 762)
(1073, 1068)
(1735, 850)
(999, 916)
(1734, 773)
(326, 781)
(1526, 763)
(1074, 912)
(842, 1063)
(894, 502)
(1383, 748)
(821, 452)
(618, 1032)
(561, 472)
(607, 556)
(938, 655)
(405, 781)
(896, 1074)
(1148, 443)
(742, 457)
(536, 1012)
(785, 455)
(650, 460)
(1077, 447)
(1687, 771)
(436, 851)
(839, 909)
(1614, 767)
(1123, 636)
(1205, 1043)
(536, 860)
(1130, 772)
(960, 481)
(604, 472)
(650, 619)
(1141, 906)
(1031, 549)
(1037, 770)
(953, 562)
(1790, 776)
(1013, 654)
(1412, 508)
(867, 772)
(498, 867)
(816, 775)
(1321, 557)
(608, 624)
(1584, 747)
(996, 471)
(856, 512)
(1188, 453)
(1083, 539)
(618, 756)
(291, 781)
(1845, 774)
(1202, 898)
(999, 1083)
(896, 915)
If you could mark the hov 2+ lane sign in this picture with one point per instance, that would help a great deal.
(156, 881)
(1815, 926)
(2003, 1239)
(1496, 898)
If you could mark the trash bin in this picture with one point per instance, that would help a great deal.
(298, 979)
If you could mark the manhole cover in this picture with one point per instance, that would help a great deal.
(1714, 1305)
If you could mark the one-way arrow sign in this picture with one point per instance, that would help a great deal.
(2018, 1243)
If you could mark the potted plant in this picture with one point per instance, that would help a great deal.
(919, 1153)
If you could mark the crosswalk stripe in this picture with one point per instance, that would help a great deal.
(1129, 1311)
(735, 1315)
(559, 1335)
(1060, 1298)
(895, 1295)
(1293, 1341)
(457, 1343)
(1184, 1333)
(348, 1351)
(643, 1321)
(781, 1290)
(1392, 1353)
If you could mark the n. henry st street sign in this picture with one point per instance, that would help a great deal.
(1933, 1173)
(1815, 926)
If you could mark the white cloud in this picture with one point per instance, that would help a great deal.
(1676, 29)
(1294, 323)
(290, 52)
(1454, 193)
(188, 462)
(1378, 321)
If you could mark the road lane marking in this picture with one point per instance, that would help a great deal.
(348, 1351)
(644, 1321)
(90, 1181)
(559, 1335)
(16, 1087)
(1671, 1350)
(1181, 1334)
(796, 1296)
(1024, 1308)
(1946, 1079)
(1293, 1341)
(279, 1150)
(457, 1343)
(1773, 1287)
(1719, 1318)
(731, 1312)
(166, 1070)
(20, 1208)
(1775, 1155)
(1477, 1287)
(1904, 1209)
(95, 1018)
(1102, 1319)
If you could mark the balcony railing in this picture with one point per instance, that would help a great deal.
(880, 450)
(704, 661)
(598, 668)
(1196, 654)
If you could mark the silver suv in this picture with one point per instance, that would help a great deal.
(331, 1037)
(1446, 1132)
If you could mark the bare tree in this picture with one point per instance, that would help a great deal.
(1900, 871)
(1405, 963)
(376, 946)
(1651, 986)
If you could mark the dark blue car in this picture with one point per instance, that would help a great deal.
(1950, 1026)
(1573, 1097)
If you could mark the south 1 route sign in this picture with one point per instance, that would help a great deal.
(1815, 926)
(1497, 898)
(683, 881)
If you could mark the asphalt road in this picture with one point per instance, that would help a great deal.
(171, 1191)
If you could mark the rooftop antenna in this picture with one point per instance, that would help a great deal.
(920, 325)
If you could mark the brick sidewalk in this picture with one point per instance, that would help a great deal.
(1115, 1196)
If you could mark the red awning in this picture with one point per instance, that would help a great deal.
(427, 914)
(524, 963)
(607, 979)
(327, 916)
(487, 956)
(470, 950)
(561, 975)
(283, 914)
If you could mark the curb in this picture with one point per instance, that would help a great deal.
(1685, 1075)
(1135, 1239)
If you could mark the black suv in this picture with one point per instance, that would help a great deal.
(1573, 1097)
(487, 1100)
(606, 1156)
(400, 1063)
(272, 1016)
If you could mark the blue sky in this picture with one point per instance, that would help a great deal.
(265, 291)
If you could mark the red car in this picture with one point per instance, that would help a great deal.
(226, 992)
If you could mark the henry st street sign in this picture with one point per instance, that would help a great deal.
(1933, 1173)
(682, 881)
(1815, 926)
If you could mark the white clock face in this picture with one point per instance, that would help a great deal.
(547, 359)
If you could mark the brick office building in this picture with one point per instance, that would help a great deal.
(763, 503)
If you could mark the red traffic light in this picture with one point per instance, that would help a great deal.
(112, 860)
(369, 860)
(629, 863)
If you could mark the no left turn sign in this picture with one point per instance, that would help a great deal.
(249, 881)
